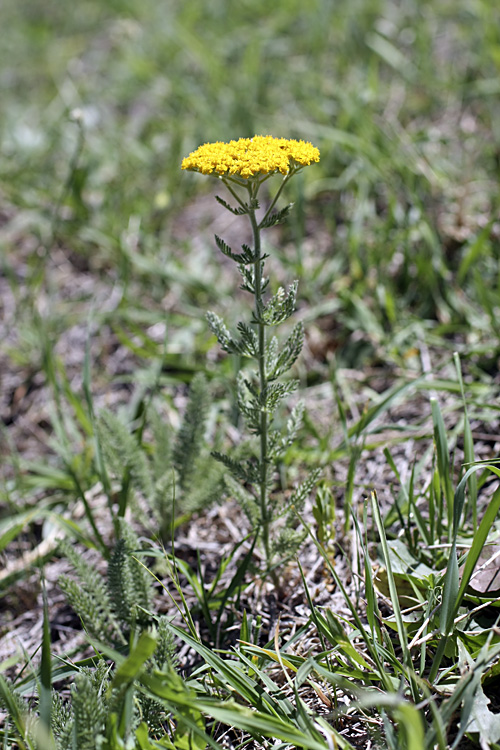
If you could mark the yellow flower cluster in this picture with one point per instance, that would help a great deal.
(249, 157)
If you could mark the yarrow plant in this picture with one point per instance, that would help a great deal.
(243, 166)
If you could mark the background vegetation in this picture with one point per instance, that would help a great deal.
(108, 266)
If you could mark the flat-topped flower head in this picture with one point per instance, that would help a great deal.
(250, 157)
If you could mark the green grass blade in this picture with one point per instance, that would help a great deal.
(450, 591)
(474, 250)
(443, 462)
(481, 536)
(453, 593)
(133, 665)
(232, 675)
(469, 457)
(16, 715)
(257, 723)
(14, 528)
(402, 635)
(45, 704)
(372, 646)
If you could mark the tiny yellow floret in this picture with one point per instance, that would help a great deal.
(250, 157)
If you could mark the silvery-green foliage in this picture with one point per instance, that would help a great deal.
(248, 344)
(210, 487)
(173, 472)
(82, 721)
(89, 707)
(220, 330)
(280, 307)
(108, 607)
(122, 452)
(61, 721)
(89, 597)
(259, 394)
(287, 542)
(164, 655)
(165, 489)
(248, 402)
(90, 610)
(190, 437)
(272, 356)
(279, 363)
(161, 455)
(293, 425)
(275, 393)
(125, 596)
(129, 583)
(248, 275)
(245, 499)
(251, 402)
(301, 493)
(86, 718)
(246, 471)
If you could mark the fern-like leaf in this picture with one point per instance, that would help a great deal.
(246, 472)
(249, 407)
(288, 355)
(226, 250)
(278, 217)
(129, 584)
(276, 392)
(142, 582)
(244, 258)
(189, 439)
(207, 489)
(248, 279)
(62, 721)
(301, 493)
(165, 652)
(122, 451)
(272, 354)
(280, 307)
(120, 583)
(89, 597)
(241, 211)
(294, 423)
(220, 330)
(95, 618)
(90, 578)
(248, 343)
(89, 709)
(164, 494)
(288, 542)
(162, 443)
(245, 499)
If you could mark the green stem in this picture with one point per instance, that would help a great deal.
(233, 192)
(261, 331)
(275, 199)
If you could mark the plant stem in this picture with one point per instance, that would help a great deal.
(261, 329)
(275, 199)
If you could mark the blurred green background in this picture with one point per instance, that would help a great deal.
(394, 234)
